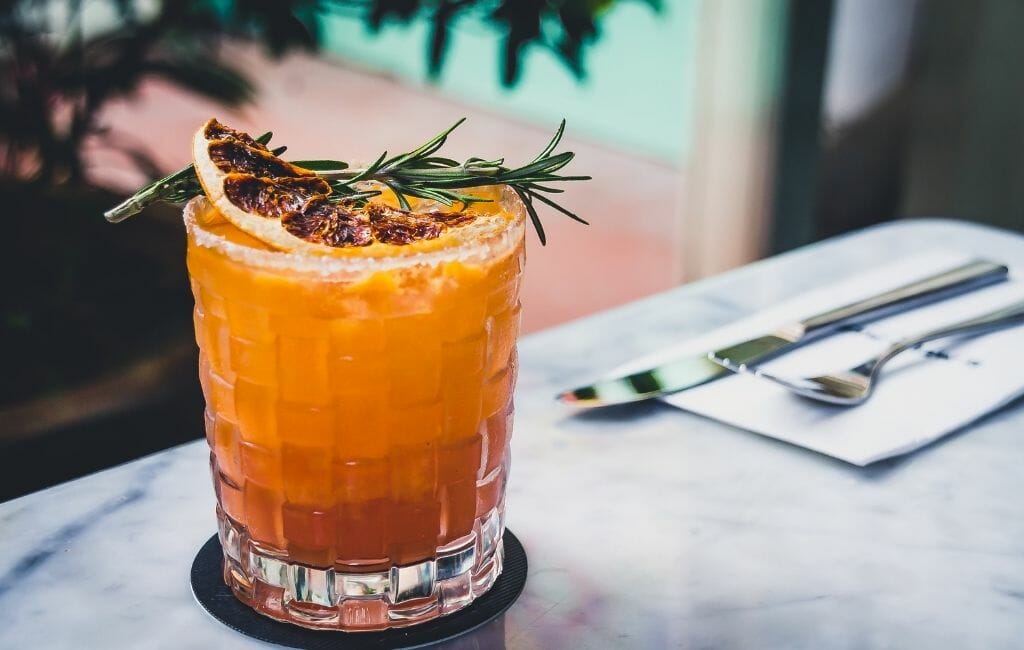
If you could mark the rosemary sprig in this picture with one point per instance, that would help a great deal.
(178, 187)
(419, 173)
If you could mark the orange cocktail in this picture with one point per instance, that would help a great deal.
(358, 414)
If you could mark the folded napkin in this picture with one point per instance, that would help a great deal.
(920, 398)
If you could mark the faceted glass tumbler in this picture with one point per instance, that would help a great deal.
(358, 416)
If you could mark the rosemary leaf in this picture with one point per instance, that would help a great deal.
(532, 211)
(554, 142)
(322, 165)
(554, 205)
(402, 201)
(426, 148)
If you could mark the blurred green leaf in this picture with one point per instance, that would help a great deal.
(578, 27)
(440, 22)
(384, 10)
(521, 22)
(280, 24)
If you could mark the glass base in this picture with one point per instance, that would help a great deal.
(332, 599)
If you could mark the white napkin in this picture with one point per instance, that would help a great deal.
(920, 397)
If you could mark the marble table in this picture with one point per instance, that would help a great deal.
(646, 527)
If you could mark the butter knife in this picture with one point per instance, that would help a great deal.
(683, 373)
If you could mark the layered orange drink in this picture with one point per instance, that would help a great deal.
(358, 383)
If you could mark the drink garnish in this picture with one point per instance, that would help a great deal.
(319, 205)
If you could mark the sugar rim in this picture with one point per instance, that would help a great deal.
(491, 242)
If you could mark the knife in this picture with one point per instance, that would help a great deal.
(683, 373)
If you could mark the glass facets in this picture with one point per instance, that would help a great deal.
(401, 595)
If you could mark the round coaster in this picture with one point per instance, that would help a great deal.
(217, 599)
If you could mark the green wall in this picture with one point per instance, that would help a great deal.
(637, 94)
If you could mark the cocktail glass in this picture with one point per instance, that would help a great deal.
(358, 414)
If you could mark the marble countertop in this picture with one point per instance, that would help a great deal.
(646, 527)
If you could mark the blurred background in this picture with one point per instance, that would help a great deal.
(717, 132)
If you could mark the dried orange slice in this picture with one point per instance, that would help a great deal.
(293, 209)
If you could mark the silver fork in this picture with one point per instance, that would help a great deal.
(855, 385)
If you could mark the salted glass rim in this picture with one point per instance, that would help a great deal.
(490, 244)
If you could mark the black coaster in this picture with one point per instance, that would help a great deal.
(217, 599)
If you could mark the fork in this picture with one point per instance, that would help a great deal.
(854, 386)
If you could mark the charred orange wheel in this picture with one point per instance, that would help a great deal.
(292, 209)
